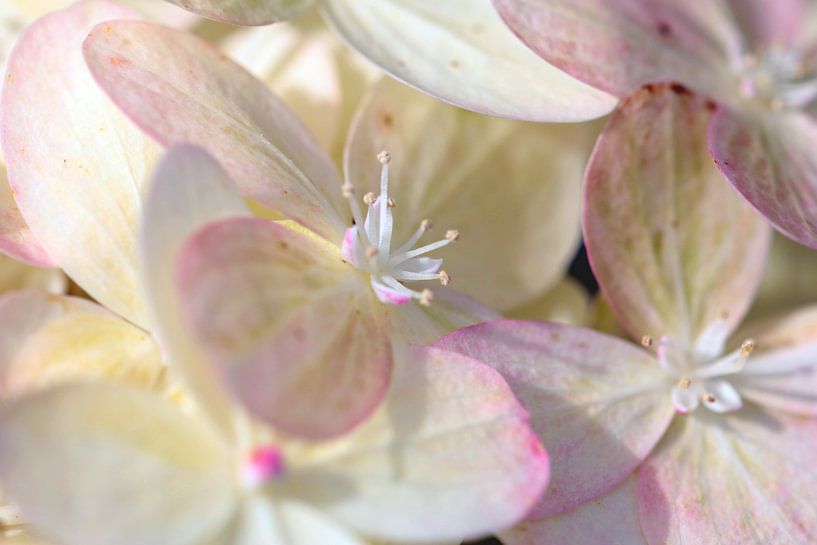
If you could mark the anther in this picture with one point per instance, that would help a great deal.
(746, 348)
(709, 398)
(371, 251)
(390, 202)
(452, 235)
(384, 157)
(647, 341)
(684, 383)
(368, 198)
(426, 296)
(426, 225)
(444, 278)
(347, 189)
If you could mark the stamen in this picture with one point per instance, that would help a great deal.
(426, 225)
(384, 157)
(444, 278)
(347, 189)
(685, 383)
(709, 398)
(426, 296)
(452, 235)
(368, 198)
(390, 202)
(746, 348)
(647, 341)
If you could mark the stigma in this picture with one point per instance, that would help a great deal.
(368, 246)
(261, 465)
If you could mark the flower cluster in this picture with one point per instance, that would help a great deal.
(259, 286)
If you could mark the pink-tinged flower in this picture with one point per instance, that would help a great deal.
(754, 57)
(459, 52)
(448, 456)
(701, 434)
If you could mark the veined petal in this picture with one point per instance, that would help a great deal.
(460, 52)
(673, 247)
(511, 188)
(75, 163)
(768, 157)
(782, 372)
(746, 478)
(101, 464)
(619, 45)
(188, 190)
(293, 329)
(611, 519)
(448, 456)
(246, 12)
(16, 238)
(587, 394)
(198, 95)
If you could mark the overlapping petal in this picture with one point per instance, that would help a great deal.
(16, 275)
(599, 404)
(75, 163)
(293, 329)
(567, 302)
(619, 45)
(459, 51)
(483, 176)
(768, 157)
(200, 96)
(246, 12)
(748, 479)
(16, 239)
(673, 247)
(130, 469)
(769, 22)
(451, 448)
(188, 190)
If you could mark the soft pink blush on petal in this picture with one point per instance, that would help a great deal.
(16, 239)
(587, 393)
(769, 22)
(293, 329)
(769, 158)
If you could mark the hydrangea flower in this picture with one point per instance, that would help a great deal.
(696, 432)
(459, 52)
(754, 57)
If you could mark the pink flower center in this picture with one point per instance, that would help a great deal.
(263, 464)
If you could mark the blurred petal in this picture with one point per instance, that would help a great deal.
(612, 519)
(511, 188)
(75, 163)
(619, 45)
(746, 478)
(16, 239)
(673, 247)
(189, 190)
(587, 394)
(460, 52)
(769, 22)
(15, 275)
(782, 371)
(449, 456)
(788, 280)
(195, 94)
(246, 12)
(769, 158)
(293, 329)
(101, 464)
(567, 302)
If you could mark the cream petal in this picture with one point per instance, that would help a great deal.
(188, 190)
(293, 329)
(16, 275)
(619, 45)
(511, 188)
(788, 281)
(746, 478)
(611, 519)
(198, 95)
(448, 456)
(674, 249)
(587, 393)
(16, 239)
(100, 464)
(246, 12)
(78, 183)
(460, 52)
(567, 302)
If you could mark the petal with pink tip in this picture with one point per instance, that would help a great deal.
(769, 158)
(782, 371)
(619, 45)
(482, 176)
(75, 163)
(294, 330)
(460, 52)
(674, 248)
(587, 394)
(449, 455)
(97, 464)
(746, 478)
(16, 239)
(188, 190)
(179, 88)
(246, 12)
(611, 519)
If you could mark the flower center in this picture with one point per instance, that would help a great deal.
(700, 376)
(777, 78)
(262, 464)
(368, 246)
